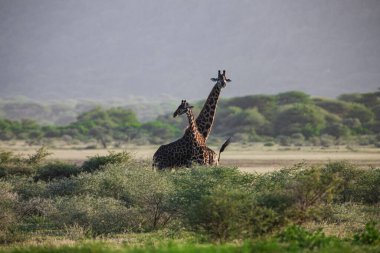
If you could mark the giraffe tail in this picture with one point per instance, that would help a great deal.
(223, 147)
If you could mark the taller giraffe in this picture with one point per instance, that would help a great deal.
(206, 117)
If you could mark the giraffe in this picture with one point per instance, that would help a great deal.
(189, 149)
(204, 124)
(206, 117)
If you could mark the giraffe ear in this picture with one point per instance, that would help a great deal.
(228, 80)
(214, 79)
(191, 106)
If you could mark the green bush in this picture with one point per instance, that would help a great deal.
(367, 187)
(98, 162)
(11, 164)
(136, 186)
(100, 215)
(192, 185)
(26, 188)
(65, 187)
(38, 157)
(348, 174)
(220, 202)
(227, 213)
(56, 170)
(300, 238)
(16, 170)
(8, 214)
(300, 193)
(370, 235)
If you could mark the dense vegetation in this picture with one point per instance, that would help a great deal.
(291, 118)
(115, 197)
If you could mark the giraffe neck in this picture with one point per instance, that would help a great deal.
(195, 135)
(206, 116)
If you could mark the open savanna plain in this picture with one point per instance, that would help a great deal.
(247, 158)
(261, 199)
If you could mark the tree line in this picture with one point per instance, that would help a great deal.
(290, 118)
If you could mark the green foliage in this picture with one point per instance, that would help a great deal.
(11, 164)
(159, 132)
(38, 157)
(299, 118)
(55, 170)
(300, 238)
(360, 112)
(98, 162)
(367, 187)
(265, 104)
(219, 203)
(337, 107)
(8, 217)
(137, 187)
(370, 235)
(234, 120)
(292, 97)
(99, 215)
(227, 213)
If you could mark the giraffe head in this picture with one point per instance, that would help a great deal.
(221, 80)
(182, 108)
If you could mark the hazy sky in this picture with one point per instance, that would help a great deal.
(117, 48)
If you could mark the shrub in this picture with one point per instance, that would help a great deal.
(300, 193)
(327, 140)
(192, 184)
(298, 139)
(370, 235)
(367, 187)
(11, 164)
(56, 170)
(300, 238)
(348, 174)
(27, 188)
(220, 202)
(228, 213)
(97, 162)
(150, 193)
(38, 157)
(19, 169)
(100, 215)
(8, 216)
(64, 187)
(311, 190)
(134, 185)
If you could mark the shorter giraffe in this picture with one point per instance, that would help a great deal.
(189, 149)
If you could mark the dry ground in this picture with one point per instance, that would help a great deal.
(250, 158)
